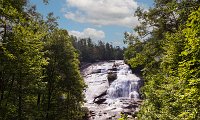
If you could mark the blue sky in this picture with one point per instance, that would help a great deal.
(105, 20)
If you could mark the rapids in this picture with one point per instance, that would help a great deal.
(107, 101)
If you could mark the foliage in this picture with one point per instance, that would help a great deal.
(91, 52)
(169, 60)
(64, 82)
(39, 71)
(123, 117)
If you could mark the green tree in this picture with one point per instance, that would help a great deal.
(168, 59)
(90, 51)
(64, 82)
(184, 65)
(21, 61)
(39, 68)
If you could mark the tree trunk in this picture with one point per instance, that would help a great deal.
(20, 97)
(50, 90)
(11, 86)
(1, 87)
(38, 101)
(49, 101)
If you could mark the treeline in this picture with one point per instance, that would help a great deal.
(39, 67)
(167, 52)
(90, 51)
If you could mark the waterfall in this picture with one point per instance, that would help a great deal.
(126, 85)
(107, 99)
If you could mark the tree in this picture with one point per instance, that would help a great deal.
(188, 70)
(39, 72)
(64, 82)
(168, 59)
(21, 61)
(91, 52)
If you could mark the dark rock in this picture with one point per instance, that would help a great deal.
(114, 116)
(114, 69)
(92, 112)
(99, 96)
(114, 108)
(127, 111)
(96, 71)
(131, 106)
(109, 118)
(111, 77)
(99, 100)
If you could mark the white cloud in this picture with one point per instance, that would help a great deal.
(89, 33)
(118, 43)
(103, 12)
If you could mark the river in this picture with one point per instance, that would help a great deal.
(107, 99)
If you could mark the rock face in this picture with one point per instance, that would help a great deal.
(112, 89)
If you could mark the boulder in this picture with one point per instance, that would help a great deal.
(99, 100)
(96, 71)
(100, 96)
(111, 77)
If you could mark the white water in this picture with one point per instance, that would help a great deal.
(126, 84)
(120, 94)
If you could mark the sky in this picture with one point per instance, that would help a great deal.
(105, 20)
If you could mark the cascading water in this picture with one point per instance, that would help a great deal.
(107, 100)
(126, 85)
(123, 88)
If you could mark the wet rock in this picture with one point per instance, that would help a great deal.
(106, 102)
(96, 71)
(114, 108)
(113, 116)
(113, 69)
(92, 113)
(111, 61)
(109, 118)
(111, 77)
(130, 106)
(127, 111)
(99, 100)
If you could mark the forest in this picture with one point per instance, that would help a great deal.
(90, 51)
(166, 49)
(39, 72)
(40, 75)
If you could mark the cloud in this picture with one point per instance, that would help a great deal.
(118, 43)
(89, 33)
(103, 12)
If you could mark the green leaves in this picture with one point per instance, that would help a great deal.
(170, 61)
(63, 77)
(38, 66)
